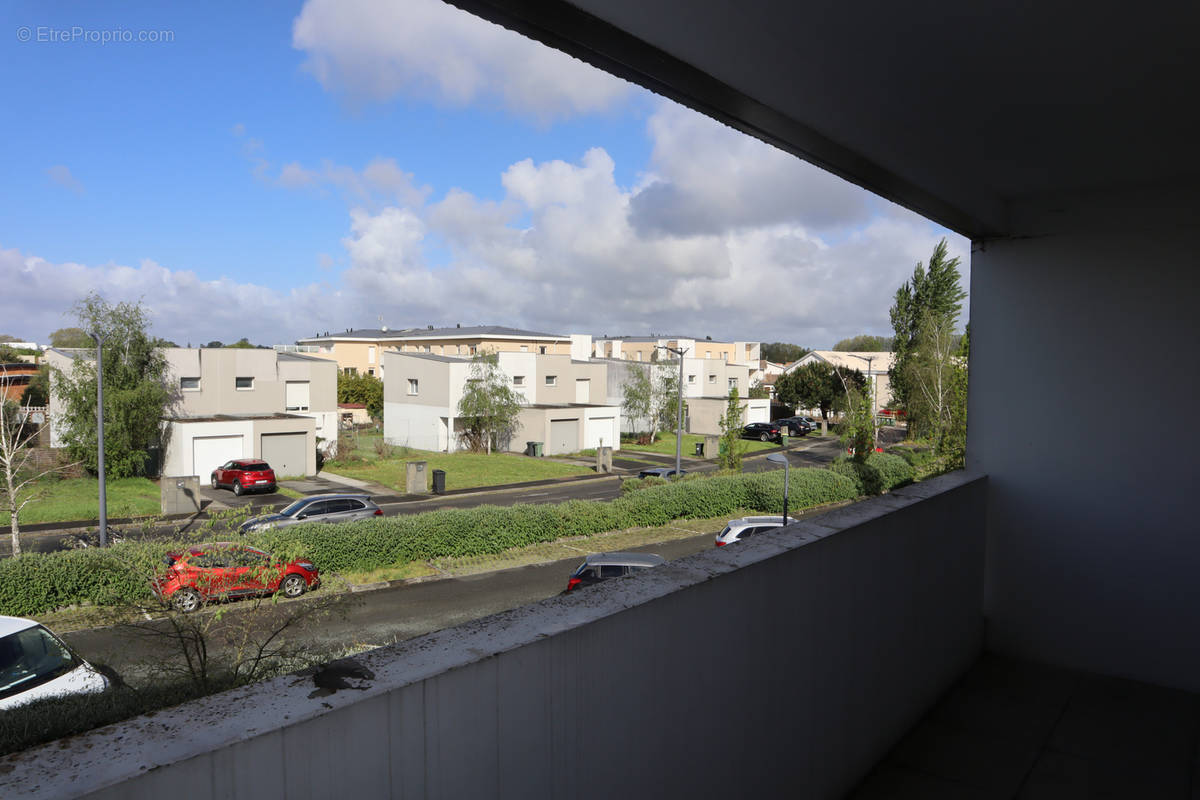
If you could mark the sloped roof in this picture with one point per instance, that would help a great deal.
(394, 334)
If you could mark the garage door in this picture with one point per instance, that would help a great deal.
(210, 452)
(287, 453)
(564, 436)
(601, 432)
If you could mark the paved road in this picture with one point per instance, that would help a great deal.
(382, 616)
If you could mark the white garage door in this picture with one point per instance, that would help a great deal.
(210, 452)
(564, 436)
(287, 453)
(601, 432)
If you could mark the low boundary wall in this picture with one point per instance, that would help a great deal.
(785, 665)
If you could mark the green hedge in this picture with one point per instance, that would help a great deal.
(882, 472)
(39, 582)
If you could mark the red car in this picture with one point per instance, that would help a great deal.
(244, 475)
(225, 570)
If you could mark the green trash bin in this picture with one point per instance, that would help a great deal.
(534, 449)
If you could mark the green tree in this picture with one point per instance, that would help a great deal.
(666, 398)
(9, 354)
(864, 343)
(932, 297)
(489, 407)
(37, 393)
(70, 337)
(732, 446)
(242, 344)
(759, 392)
(783, 353)
(19, 479)
(816, 385)
(637, 401)
(365, 389)
(858, 426)
(136, 389)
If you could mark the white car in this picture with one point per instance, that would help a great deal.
(739, 529)
(35, 664)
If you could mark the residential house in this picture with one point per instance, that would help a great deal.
(562, 401)
(360, 351)
(237, 403)
(14, 380)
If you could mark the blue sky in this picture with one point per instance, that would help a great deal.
(276, 168)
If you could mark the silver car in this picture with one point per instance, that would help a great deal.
(317, 508)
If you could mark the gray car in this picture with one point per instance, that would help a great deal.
(317, 508)
(602, 566)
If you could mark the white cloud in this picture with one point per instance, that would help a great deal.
(747, 244)
(61, 175)
(376, 49)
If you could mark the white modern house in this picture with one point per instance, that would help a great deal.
(563, 401)
(237, 403)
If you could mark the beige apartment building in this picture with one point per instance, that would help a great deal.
(360, 352)
(643, 348)
(873, 365)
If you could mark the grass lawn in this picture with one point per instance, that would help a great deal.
(665, 444)
(463, 470)
(78, 499)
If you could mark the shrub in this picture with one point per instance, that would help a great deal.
(882, 472)
(39, 582)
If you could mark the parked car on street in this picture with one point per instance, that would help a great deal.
(244, 475)
(797, 426)
(316, 508)
(763, 431)
(739, 529)
(224, 570)
(36, 664)
(662, 472)
(602, 566)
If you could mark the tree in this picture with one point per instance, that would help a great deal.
(4, 337)
(70, 337)
(489, 407)
(242, 344)
(864, 343)
(759, 392)
(18, 479)
(783, 353)
(137, 394)
(732, 447)
(651, 397)
(37, 393)
(931, 297)
(816, 385)
(365, 389)
(9, 354)
(214, 344)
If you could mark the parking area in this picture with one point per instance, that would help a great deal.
(262, 502)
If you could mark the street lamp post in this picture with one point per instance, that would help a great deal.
(780, 458)
(679, 351)
(99, 339)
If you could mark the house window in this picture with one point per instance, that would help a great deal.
(412, 385)
(243, 384)
(296, 396)
(552, 380)
(732, 384)
(189, 384)
(708, 353)
(371, 354)
(350, 370)
(542, 350)
(712, 378)
(427, 349)
(524, 348)
(639, 355)
(518, 380)
(691, 379)
(371, 371)
(472, 349)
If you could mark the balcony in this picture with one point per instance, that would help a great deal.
(788, 664)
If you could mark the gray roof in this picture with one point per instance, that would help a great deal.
(283, 355)
(432, 333)
(433, 357)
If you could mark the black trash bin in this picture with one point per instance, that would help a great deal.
(439, 481)
(700, 449)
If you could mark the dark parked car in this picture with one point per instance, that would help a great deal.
(602, 566)
(317, 508)
(763, 431)
(244, 475)
(661, 472)
(226, 570)
(797, 426)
